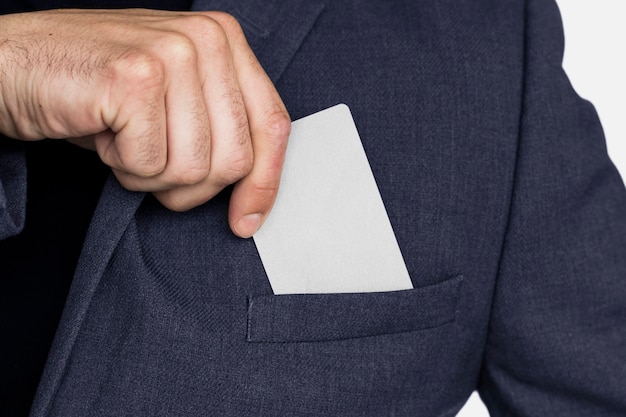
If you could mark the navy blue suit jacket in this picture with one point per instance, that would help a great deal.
(509, 214)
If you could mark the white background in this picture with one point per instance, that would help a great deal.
(595, 61)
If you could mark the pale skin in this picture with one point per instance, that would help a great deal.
(175, 103)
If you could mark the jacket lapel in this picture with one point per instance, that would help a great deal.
(111, 217)
(275, 30)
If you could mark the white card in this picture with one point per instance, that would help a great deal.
(329, 231)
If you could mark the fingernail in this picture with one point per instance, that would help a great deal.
(248, 225)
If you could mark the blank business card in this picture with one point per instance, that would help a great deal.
(329, 231)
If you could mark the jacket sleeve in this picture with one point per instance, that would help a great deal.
(557, 333)
(12, 187)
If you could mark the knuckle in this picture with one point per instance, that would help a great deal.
(238, 167)
(276, 134)
(202, 21)
(265, 186)
(179, 49)
(146, 170)
(139, 68)
(278, 126)
(228, 22)
(243, 165)
(146, 163)
(210, 30)
(190, 175)
(265, 191)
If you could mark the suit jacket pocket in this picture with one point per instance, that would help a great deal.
(324, 317)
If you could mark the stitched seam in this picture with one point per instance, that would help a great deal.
(452, 319)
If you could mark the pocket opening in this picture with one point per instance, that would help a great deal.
(325, 317)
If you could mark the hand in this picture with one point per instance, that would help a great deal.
(177, 103)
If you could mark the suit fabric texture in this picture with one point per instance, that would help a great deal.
(509, 214)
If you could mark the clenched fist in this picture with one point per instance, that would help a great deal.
(175, 103)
